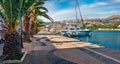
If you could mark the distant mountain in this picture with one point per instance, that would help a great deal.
(113, 18)
(111, 22)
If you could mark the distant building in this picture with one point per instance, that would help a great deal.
(55, 27)
(119, 26)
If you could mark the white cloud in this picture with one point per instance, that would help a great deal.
(88, 10)
(51, 6)
(109, 12)
(117, 1)
(97, 4)
(62, 15)
(101, 3)
(62, 0)
(69, 13)
(63, 12)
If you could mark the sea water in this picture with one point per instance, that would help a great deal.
(109, 39)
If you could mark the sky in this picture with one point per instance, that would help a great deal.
(61, 10)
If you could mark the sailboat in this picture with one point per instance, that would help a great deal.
(72, 28)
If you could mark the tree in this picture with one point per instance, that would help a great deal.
(35, 10)
(38, 24)
(11, 11)
(39, 10)
(26, 19)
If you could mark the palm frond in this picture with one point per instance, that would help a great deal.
(39, 23)
(46, 16)
(26, 5)
(2, 3)
(11, 12)
(41, 8)
(41, 2)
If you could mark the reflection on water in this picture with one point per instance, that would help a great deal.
(83, 38)
(110, 39)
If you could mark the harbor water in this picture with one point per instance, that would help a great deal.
(109, 39)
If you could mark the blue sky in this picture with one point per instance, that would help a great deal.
(65, 9)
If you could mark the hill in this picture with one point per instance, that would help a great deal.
(113, 18)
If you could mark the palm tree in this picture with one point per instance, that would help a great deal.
(36, 9)
(11, 13)
(38, 24)
(25, 14)
(33, 12)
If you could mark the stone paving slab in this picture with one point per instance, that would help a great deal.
(57, 60)
(64, 45)
(99, 57)
(27, 47)
(111, 52)
(76, 56)
(37, 57)
(43, 48)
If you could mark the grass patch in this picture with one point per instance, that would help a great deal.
(16, 57)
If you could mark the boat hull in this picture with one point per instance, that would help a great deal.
(80, 33)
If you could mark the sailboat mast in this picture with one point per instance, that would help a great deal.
(76, 22)
(77, 3)
(76, 10)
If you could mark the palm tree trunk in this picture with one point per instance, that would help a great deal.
(31, 24)
(26, 26)
(32, 29)
(36, 29)
(12, 44)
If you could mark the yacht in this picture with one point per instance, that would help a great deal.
(72, 28)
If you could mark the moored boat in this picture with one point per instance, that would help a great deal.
(73, 30)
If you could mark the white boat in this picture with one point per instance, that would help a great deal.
(73, 30)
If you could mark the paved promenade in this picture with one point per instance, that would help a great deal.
(54, 49)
